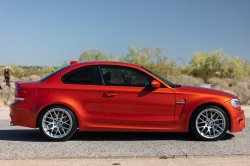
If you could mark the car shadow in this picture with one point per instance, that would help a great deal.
(34, 135)
(145, 91)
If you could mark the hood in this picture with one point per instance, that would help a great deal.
(191, 89)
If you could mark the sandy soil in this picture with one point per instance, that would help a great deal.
(229, 161)
(4, 112)
(246, 108)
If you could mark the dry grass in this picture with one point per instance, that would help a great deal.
(1, 79)
(189, 80)
(6, 95)
(240, 87)
(31, 78)
(14, 79)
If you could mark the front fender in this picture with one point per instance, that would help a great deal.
(192, 105)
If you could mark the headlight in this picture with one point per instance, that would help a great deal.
(235, 103)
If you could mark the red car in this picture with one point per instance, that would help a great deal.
(115, 96)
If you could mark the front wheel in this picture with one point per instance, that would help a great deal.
(209, 123)
(57, 123)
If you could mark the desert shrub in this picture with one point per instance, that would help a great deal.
(6, 95)
(208, 64)
(239, 87)
(151, 59)
(31, 78)
(24, 79)
(214, 81)
(34, 78)
(14, 79)
(16, 71)
(189, 80)
(47, 70)
(65, 63)
(94, 55)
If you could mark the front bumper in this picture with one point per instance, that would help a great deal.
(237, 121)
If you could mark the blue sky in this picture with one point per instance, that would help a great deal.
(46, 33)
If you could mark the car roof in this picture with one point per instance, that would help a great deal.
(105, 63)
(83, 64)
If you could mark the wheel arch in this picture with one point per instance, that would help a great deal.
(213, 104)
(38, 116)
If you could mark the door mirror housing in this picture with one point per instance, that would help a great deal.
(155, 84)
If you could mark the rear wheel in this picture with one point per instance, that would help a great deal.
(209, 123)
(57, 123)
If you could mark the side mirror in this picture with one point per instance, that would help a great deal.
(155, 84)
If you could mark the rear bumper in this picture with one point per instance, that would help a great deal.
(24, 113)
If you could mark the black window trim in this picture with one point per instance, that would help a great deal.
(100, 72)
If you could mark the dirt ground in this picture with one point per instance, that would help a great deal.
(227, 161)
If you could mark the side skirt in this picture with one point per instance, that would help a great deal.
(94, 126)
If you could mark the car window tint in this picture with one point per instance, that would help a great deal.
(83, 76)
(122, 76)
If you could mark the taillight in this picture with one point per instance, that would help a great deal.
(21, 94)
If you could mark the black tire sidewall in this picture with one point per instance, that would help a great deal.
(193, 123)
(74, 125)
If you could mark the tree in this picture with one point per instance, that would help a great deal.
(95, 55)
(144, 56)
(65, 63)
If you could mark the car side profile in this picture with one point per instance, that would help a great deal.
(116, 96)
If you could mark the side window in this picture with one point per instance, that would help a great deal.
(124, 76)
(85, 75)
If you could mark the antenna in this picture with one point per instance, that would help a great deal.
(183, 60)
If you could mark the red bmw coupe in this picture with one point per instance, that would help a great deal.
(115, 96)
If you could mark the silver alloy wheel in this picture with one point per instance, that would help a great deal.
(57, 123)
(210, 123)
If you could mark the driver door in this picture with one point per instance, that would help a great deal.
(128, 98)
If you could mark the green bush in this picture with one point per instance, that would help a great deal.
(16, 71)
(217, 63)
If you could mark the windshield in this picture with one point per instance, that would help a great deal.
(161, 78)
(51, 74)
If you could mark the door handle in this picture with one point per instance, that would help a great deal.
(109, 94)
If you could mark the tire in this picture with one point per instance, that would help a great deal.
(209, 123)
(57, 123)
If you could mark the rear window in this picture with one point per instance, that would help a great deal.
(87, 75)
(55, 72)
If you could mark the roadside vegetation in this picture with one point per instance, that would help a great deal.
(213, 69)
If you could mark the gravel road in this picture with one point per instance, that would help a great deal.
(229, 161)
(25, 143)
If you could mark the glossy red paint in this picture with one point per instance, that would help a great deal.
(73, 62)
(153, 106)
(155, 84)
(120, 108)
